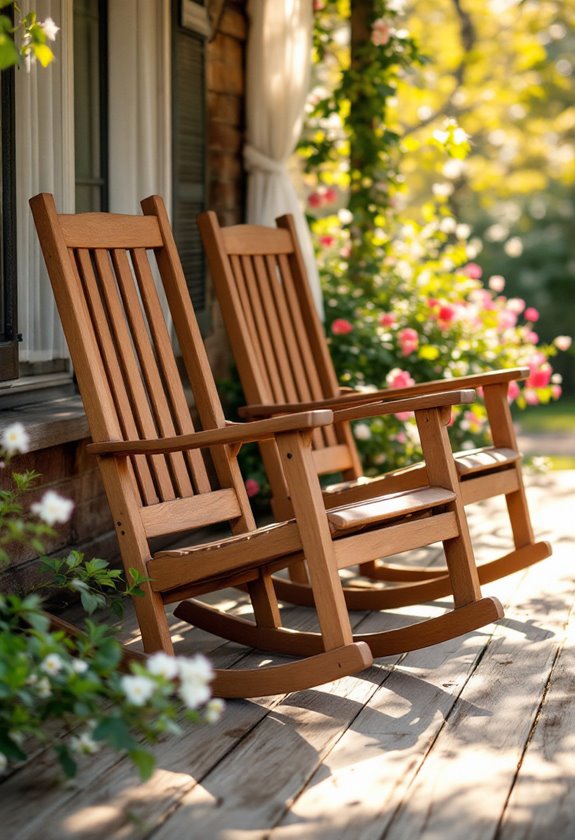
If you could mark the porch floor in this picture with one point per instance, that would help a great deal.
(469, 739)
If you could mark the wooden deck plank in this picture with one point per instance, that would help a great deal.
(542, 802)
(365, 779)
(475, 733)
(467, 777)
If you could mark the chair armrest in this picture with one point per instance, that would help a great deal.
(475, 380)
(233, 434)
(423, 403)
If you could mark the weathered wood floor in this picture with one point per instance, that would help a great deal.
(470, 739)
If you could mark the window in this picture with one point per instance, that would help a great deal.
(90, 105)
(8, 288)
(189, 124)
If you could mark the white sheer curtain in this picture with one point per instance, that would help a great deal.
(44, 163)
(140, 126)
(139, 100)
(278, 73)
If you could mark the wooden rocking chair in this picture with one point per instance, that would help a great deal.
(157, 482)
(284, 366)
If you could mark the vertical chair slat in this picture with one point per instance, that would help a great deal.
(171, 380)
(268, 357)
(305, 382)
(138, 399)
(114, 373)
(149, 367)
(264, 278)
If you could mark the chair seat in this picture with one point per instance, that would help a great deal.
(282, 539)
(470, 462)
(405, 503)
(479, 460)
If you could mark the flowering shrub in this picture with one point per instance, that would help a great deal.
(429, 318)
(403, 289)
(27, 38)
(83, 682)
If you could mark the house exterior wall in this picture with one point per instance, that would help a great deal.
(59, 433)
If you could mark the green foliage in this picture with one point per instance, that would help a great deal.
(81, 682)
(25, 38)
(404, 301)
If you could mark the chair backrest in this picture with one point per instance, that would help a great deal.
(120, 345)
(276, 335)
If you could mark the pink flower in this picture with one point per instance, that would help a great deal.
(387, 319)
(507, 319)
(401, 436)
(252, 487)
(516, 305)
(314, 199)
(327, 241)
(496, 283)
(408, 341)
(329, 196)
(532, 337)
(556, 391)
(531, 397)
(397, 378)
(563, 342)
(472, 270)
(539, 378)
(402, 416)
(445, 315)
(531, 314)
(341, 327)
(380, 32)
(512, 391)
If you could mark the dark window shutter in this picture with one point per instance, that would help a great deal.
(189, 154)
(8, 275)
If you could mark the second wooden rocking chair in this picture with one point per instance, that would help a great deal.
(284, 366)
(158, 484)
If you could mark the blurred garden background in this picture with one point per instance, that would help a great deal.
(438, 162)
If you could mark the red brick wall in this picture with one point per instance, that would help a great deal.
(226, 176)
(226, 89)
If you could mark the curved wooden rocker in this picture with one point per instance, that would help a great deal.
(284, 365)
(157, 483)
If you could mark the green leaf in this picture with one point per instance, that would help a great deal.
(68, 764)
(116, 733)
(144, 761)
(10, 748)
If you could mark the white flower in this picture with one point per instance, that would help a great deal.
(50, 29)
(138, 689)
(79, 666)
(447, 224)
(513, 247)
(43, 688)
(496, 282)
(195, 674)
(345, 216)
(194, 693)
(53, 508)
(362, 431)
(214, 710)
(84, 744)
(463, 231)
(563, 342)
(52, 664)
(460, 136)
(162, 665)
(3, 762)
(442, 190)
(195, 668)
(15, 439)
